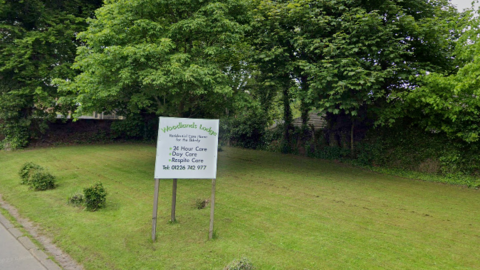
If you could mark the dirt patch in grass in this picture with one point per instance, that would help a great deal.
(429, 166)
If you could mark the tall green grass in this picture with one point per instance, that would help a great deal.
(279, 211)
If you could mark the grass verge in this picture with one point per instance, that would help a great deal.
(279, 211)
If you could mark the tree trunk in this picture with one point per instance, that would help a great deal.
(287, 117)
(305, 105)
(351, 138)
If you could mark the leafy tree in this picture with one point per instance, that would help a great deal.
(360, 52)
(37, 44)
(348, 57)
(161, 57)
(375, 48)
(448, 102)
(273, 38)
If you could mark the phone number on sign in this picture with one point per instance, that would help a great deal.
(185, 167)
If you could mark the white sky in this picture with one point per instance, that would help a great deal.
(462, 4)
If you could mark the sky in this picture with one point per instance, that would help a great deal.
(462, 4)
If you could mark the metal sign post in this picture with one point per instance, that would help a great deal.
(174, 199)
(212, 210)
(155, 208)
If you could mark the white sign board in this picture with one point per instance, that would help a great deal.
(187, 148)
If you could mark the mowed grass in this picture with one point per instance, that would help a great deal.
(280, 211)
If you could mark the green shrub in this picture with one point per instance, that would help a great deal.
(368, 152)
(246, 130)
(14, 131)
(95, 197)
(42, 180)
(136, 127)
(76, 199)
(26, 172)
(409, 147)
(201, 203)
(332, 153)
(273, 139)
(242, 264)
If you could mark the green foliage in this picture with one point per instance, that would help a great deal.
(162, 57)
(14, 125)
(131, 127)
(452, 179)
(15, 136)
(239, 264)
(38, 44)
(42, 180)
(332, 153)
(136, 127)
(273, 139)
(76, 199)
(352, 72)
(407, 147)
(367, 152)
(447, 102)
(26, 172)
(36, 177)
(402, 149)
(355, 56)
(273, 38)
(200, 203)
(95, 197)
(246, 130)
(300, 139)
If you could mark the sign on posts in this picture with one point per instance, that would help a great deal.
(186, 149)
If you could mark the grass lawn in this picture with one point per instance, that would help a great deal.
(280, 211)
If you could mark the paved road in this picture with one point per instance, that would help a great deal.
(17, 252)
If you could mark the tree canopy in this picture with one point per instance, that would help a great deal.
(449, 101)
(350, 56)
(383, 60)
(166, 57)
(37, 44)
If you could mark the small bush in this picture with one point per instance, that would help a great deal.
(242, 264)
(36, 177)
(95, 197)
(27, 170)
(332, 153)
(201, 203)
(246, 130)
(76, 199)
(42, 180)
(136, 127)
